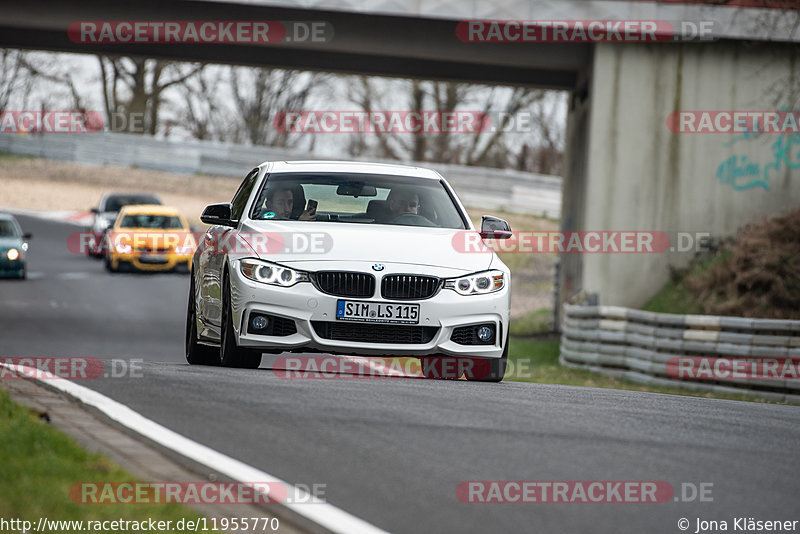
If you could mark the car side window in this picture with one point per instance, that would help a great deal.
(239, 202)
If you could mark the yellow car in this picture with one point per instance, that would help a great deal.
(149, 238)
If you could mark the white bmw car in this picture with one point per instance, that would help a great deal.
(348, 258)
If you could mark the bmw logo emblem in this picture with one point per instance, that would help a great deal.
(378, 267)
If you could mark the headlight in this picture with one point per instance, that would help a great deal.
(271, 273)
(123, 248)
(478, 283)
(12, 254)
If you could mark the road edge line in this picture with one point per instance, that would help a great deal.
(321, 513)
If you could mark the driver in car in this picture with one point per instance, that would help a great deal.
(280, 201)
(402, 201)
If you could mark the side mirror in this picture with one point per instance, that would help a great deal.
(494, 228)
(27, 236)
(218, 214)
(95, 210)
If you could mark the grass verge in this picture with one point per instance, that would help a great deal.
(677, 297)
(536, 360)
(40, 464)
(532, 323)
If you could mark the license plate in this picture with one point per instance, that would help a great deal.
(377, 312)
(153, 258)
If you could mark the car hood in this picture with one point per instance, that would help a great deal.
(10, 242)
(318, 245)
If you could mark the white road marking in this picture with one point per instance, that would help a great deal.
(75, 218)
(309, 507)
(74, 276)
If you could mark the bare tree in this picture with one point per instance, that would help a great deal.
(545, 154)
(49, 69)
(490, 146)
(260, 93)
(133, 90)
(202, 111)
(12, 83)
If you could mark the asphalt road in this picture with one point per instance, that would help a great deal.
(393, 451)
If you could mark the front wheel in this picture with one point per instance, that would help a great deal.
(489, 369)
(231, 354)
(107, 264)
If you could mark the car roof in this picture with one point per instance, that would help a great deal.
(8, 217)
(351, 167)
(149, 209)
(129, 194)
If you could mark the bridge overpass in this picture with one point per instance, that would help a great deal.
(626, 169)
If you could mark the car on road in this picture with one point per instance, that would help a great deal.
(106, 213)
(149, 238)
(13, 248)
(352, 259)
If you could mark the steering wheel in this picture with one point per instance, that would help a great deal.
(411, 219)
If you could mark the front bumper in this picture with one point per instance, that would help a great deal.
(304, 304)
(138, 260)
(11, 269)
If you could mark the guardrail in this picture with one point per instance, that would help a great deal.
(756, 357)
(481, 187)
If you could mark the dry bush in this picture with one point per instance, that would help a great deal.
(758, 276)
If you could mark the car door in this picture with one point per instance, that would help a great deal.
(213, 260)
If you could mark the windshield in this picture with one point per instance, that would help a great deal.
(161, 222)
(8, 228)
(117, 202)
(357, 198)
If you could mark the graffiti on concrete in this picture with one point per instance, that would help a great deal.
(741, 174)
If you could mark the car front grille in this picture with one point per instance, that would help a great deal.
(463, 335)
(409, 286)
(345, 284)
(375, 333)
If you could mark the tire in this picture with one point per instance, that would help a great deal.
(230, 354)
(107, 264)
(197, 354)
(441, 367)
(489, 369)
